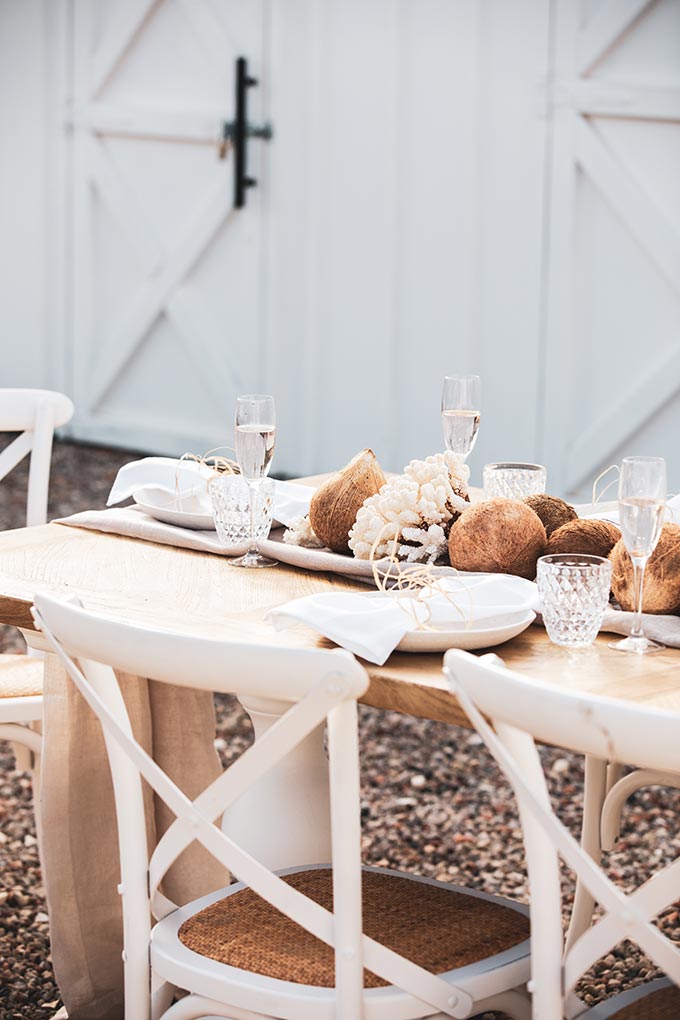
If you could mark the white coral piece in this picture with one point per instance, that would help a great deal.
(413, 508)
(300, 532)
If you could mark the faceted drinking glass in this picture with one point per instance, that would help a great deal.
(230, 497)
(513, 480)
(574, 593)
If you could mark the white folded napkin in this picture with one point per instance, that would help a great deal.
(189, 478)
(291, 500)
(372, 625)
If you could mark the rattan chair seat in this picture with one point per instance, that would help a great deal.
(21, 676)
(662, 1004)
(432, 925)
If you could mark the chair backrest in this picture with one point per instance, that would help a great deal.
(35, 414)
(522, 711)
(321, 686)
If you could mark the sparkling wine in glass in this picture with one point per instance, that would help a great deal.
(642, 503)
(254, 440)
(461, 403)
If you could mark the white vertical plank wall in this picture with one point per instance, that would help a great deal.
(166, 283)
(612, 376)
(405, 222)
(513, 118)
(24, 312)
(471, 186)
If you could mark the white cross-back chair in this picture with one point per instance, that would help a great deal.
(34, 414)
(235, 954)
(522, 710)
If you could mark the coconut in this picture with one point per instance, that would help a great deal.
(335, 504)
(661, 587)
(552, 510)
(499, 536)
(595, 538)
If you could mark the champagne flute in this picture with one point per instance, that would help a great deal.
(254, 439)
(461, 402)
(642, 503)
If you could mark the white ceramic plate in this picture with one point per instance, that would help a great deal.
(184, 512)
(494, 632)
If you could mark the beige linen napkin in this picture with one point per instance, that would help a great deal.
(79, 847)
(665, 629)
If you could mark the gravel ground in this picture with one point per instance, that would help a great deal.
(433, 803)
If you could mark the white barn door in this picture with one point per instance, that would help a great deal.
(612, 370)
(165, 292)
(396, 234)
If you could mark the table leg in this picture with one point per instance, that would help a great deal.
(594, 792)
(284, 819)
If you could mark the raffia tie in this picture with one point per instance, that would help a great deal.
(215, 464)
(404, 581)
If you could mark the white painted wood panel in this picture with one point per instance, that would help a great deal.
(476, 186)
(23, 195)
(613, 326)
(166, 283)
(513, 117)
(405, 219)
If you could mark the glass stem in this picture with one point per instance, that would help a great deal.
(252, 492)
(639, 564)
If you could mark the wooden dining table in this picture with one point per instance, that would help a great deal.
(175, 588)
(199, 593)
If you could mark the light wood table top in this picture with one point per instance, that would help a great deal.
(202, 593)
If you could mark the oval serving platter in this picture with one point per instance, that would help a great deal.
(495, 632)
(182, 511)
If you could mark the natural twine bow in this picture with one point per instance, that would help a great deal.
(410, 584)
(215, 464)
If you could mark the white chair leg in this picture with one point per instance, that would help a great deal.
(594, 792)
(619, 793)
(614, 773)
(162, 994)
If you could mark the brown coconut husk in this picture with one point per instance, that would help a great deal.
(552, 510)
(335, 504)
(499, 536)
(661, 587)
(594, 538)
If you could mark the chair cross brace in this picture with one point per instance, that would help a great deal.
(631, 912)
(192, 823)
(15, 452)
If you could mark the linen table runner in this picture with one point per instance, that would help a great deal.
(132, 522)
